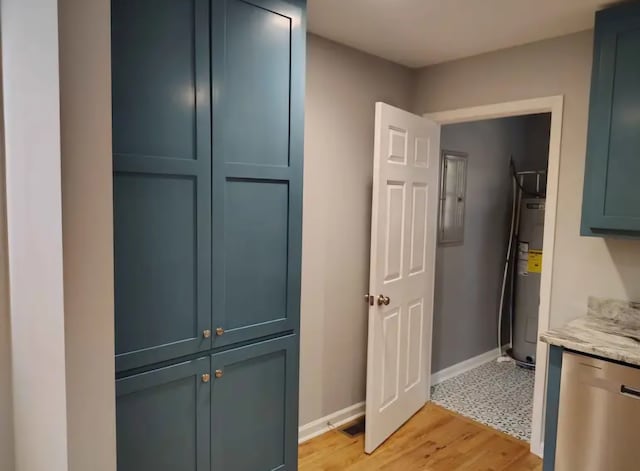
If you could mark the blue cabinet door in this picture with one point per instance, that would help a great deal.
(162, 179)
(611, 202)
(163, 419)
(258, 49)
(254, 419)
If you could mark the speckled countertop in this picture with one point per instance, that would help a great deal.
(611, 329)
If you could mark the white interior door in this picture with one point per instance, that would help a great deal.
(403, 242)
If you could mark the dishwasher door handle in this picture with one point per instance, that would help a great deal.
(630, 392)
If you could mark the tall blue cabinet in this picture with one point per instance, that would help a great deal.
(207, 159)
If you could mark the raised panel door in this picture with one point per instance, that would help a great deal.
(258, 69)
(611, 202)
(163, 419)
(254, 407)
(162, 179)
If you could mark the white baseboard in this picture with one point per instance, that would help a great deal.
(336, 419)
(464, 366)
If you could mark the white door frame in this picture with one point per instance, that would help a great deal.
(554, 105)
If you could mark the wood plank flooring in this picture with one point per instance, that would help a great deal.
(434, 439)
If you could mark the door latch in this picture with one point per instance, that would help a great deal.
(368, 298)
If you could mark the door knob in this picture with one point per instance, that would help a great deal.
(382, 299)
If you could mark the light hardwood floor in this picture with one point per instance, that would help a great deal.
(435, 439)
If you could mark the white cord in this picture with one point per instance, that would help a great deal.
(506, 265)
(516, 237)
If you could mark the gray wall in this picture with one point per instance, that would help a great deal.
(468, 276)
(6, 406)
(582, 266)
(85, 115)
(536, 154)
(342, 87)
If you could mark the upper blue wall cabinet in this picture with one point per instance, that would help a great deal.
(611, 201)
(258, 82)
(162, 179)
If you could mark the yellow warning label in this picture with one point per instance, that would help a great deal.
(534, 264)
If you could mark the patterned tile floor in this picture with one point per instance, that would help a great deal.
(499, 395)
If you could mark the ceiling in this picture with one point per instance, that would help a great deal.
(424, 32)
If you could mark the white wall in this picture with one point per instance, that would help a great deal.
(342, 87)
(29, 30)
(87, 223)
(582, 266)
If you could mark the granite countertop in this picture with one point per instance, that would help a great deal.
(611, 330)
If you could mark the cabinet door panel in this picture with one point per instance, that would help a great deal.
(256, 252)
(162, 179)
(257, 78)
(254, 407)
(155, 269)
(153, 77)
(623, 167)
(163, 419)
(611, 203)
(258, 64)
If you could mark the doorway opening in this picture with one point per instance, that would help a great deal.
(553, 105)
(488, 269)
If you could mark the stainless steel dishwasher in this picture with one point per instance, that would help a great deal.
(598, 416)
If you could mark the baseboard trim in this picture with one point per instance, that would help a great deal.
(464, 366)
(336, 419)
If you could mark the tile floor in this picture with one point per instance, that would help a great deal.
(499, 395)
